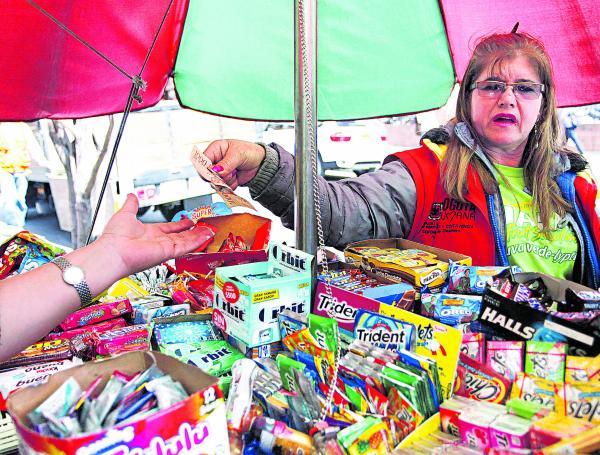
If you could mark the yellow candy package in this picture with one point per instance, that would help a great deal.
(370, 435)
(537, 390)
(576, 369)
(593, 369)
(580, 400)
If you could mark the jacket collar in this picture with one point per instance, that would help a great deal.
(462, 131)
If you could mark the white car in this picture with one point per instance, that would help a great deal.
(347, 148)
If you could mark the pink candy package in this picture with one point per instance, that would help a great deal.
(505, 357)
(473, 345)
(96, 313)
(111, 324)
(126, 339)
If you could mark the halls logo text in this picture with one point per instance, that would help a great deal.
(230, 309)
(493, 317)
(269, 315)
(291, 258)
(340, 310)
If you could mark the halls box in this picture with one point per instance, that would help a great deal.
(248, 298)
(518, 321)
(196, 425)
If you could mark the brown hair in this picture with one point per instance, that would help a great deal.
(544, 140)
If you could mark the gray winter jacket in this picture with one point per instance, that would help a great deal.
(379, 204)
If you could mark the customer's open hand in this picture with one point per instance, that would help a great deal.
(137, 246)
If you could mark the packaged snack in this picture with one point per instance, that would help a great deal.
(510, 432)
(143, 316)
(505, 357)
(593, 369)
(126, 339)
(450, 309)
(214, 357)
(532, 388)
(480, 382)
(450, 410)
(580, 400)
(554, 428)
(529, 410)
(111, 324)
(384, 331)
(186, 332)
(96, 313)
(576, 369)
(369, 435)
(44, 351)
(474, 428)
(290, 322)
(324, 330)
(546, 360)
(464, 279)
(473, 345)
(30, 375)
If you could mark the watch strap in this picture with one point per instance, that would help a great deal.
(82, 288)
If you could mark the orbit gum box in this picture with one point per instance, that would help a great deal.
(195, 425)
(249, 297)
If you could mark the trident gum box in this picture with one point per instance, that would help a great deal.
(249, 297)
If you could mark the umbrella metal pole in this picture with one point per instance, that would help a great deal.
(305, 118)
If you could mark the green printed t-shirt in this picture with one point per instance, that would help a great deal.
(527, 247)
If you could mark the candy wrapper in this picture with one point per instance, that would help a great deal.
(505, 357)
(580, 400)
(546, 360)
(25, 251)
(96, 313)
(186, 332)
(126, 339)
(44, 351)
(450, 309)
(480, 382)
(577, 369)
(464, 279)
(473, 345)
(111, 324)
(532, 388)
(554, 428)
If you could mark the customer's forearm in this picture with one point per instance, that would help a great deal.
(33, 303)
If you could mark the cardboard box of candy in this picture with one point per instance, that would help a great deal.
(249, 297)
(347, 301)
(404, 260)
(511, 308)
(252, 229)
(195, 425)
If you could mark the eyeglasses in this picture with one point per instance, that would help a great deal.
(522, 90)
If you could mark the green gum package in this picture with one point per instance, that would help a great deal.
(324, 330)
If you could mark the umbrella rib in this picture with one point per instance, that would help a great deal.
(81, 40)
(162, 22)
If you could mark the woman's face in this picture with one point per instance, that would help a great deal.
(504, 122)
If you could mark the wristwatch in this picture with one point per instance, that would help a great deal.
(74, 276)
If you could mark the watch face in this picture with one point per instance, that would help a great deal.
(73, 275)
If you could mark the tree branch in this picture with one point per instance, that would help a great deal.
(94, 172)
